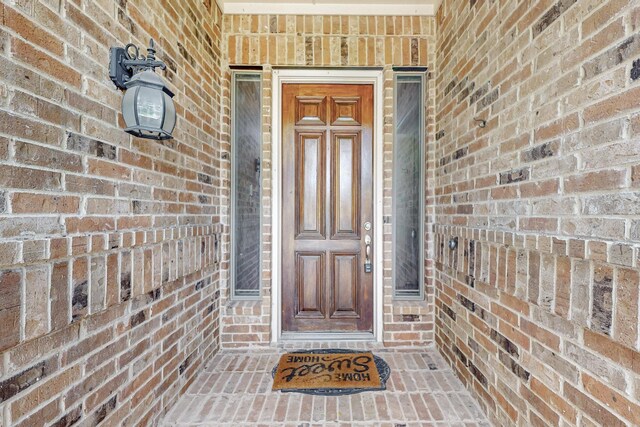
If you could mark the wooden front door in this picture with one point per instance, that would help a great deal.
(327, 208)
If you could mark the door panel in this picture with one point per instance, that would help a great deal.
(345, 185)
(327, 196)
(311, 110)
(310, 268)
(346, 272)
(346, 111)
(310, 176)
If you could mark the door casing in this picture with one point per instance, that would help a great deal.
(326, 76)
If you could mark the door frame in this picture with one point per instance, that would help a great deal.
(327, 76)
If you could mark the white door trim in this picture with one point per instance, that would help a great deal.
(365, 76)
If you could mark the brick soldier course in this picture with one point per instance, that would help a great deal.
(114, 303)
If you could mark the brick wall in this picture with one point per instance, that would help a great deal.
(109, 282)
(321, 41)
(537, 308)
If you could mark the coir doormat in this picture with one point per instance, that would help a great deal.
(330, 372)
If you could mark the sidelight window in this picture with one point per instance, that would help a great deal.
(408, 188)
(246, 168)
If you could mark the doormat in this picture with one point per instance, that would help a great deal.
(330, 372)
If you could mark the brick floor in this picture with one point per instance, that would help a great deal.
(235, 390)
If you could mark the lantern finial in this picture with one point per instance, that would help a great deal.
(151, 55)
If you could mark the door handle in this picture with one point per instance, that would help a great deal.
(368, 266)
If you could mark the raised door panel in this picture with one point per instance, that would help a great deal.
(310, 185)
(345, 283)
(311, 110)
(345, 186)
(346, 111)
(310, 278)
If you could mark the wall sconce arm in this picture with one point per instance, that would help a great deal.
(125, 62)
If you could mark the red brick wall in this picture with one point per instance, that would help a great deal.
(109, 282)
(537, 308)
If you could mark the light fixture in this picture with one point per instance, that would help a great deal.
(482, 123)
(453, 243)
(147, 105)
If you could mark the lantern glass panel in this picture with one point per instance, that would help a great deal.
(129, 107)
(150, 107)
(169, 114)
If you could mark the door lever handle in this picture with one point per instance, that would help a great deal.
(367, 242)
(368, 267)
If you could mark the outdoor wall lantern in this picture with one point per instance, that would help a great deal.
(147, 105)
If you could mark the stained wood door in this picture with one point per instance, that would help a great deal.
(327, 206)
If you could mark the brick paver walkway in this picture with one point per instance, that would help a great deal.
(235, 390)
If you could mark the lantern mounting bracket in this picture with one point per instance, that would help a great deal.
(126, 61)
